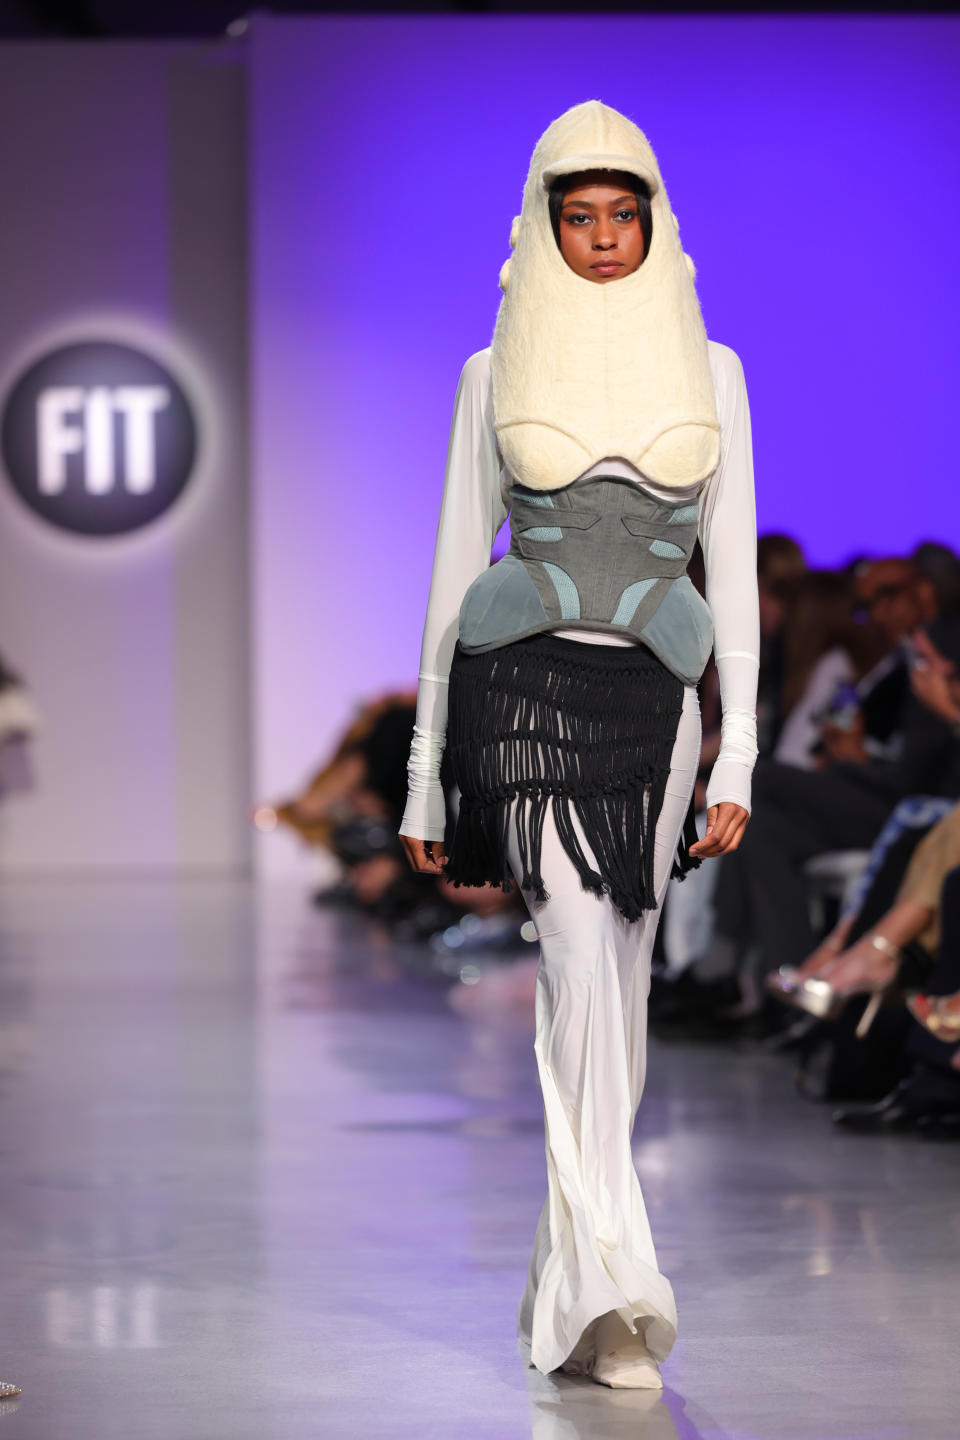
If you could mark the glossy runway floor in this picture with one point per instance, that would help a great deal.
(257, 1185)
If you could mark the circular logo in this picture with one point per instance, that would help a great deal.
(98, 438)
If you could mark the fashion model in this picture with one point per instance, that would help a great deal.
(562, 680)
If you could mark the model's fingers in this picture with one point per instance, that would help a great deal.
(733, 841)
(698, 847)
(724, 834)
(426, 862)
(712, 841)
(732, 824)
(726, 823)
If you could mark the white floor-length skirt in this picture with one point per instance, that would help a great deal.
(593, 1252)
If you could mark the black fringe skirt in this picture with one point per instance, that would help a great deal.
(549, 720)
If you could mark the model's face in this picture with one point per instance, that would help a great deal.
(600, 235)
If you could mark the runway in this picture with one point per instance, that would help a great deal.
(259, 1185)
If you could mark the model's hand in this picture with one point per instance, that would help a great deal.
(426, 856)
(726, 823)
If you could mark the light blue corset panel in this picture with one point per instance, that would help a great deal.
(598, 554)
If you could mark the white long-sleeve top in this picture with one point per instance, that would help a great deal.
(475, 504)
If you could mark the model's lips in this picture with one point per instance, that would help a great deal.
(607, 265)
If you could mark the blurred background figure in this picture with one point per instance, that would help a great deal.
(853, 737)
(780, 562)
(19, 721)
(826, 654)
(352, 807)
(939, 565)
(879, 746)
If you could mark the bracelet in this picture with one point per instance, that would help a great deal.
(885, 946)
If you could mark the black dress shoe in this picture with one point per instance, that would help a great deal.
(902, 1109)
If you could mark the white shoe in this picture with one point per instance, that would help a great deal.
(627, 1370)
(626, 1363)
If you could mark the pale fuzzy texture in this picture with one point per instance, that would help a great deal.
(582, 370)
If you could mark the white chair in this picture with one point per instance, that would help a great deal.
(833, 876)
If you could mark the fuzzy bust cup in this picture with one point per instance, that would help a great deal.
(582, 371)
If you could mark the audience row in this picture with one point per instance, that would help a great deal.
(833, 933)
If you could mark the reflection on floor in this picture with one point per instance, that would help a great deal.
(258, 1185)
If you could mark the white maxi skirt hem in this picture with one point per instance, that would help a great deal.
(593, 1252)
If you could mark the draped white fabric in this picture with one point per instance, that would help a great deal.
(593, 1253)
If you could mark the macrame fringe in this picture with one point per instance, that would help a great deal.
(685, 862)
(582, 727)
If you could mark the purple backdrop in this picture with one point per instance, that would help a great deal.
(812, 164)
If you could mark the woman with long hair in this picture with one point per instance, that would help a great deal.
(825, 652)
(562, 680)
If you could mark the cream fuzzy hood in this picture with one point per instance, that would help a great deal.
(582, 371)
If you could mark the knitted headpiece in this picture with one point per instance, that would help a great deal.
(583, 370)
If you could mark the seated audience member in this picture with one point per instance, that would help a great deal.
(928, 1099)
(898, 748)
(19, 723)
(686, 933)
(825, 651)
(864, 953)
(349, 806)
(353, 806)
(360, 777)
(780, 564)
(941, 566)
(906, 826)
(938, 1011)
(935, 683)
(934, 679)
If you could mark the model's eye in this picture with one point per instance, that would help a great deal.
(630, 214)
(572, 219)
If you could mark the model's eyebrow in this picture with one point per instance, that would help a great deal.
(589, 205)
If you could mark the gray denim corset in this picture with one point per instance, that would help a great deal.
(598, 554)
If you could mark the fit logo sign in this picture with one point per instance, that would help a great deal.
(98, 438)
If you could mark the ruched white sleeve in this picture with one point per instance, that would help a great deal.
(472, 510)
(728, 534)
